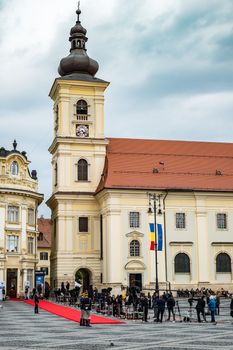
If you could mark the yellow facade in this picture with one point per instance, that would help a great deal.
(19, 200)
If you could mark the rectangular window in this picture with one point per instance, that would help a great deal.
(31, 220)
(222, 221)
(30, 245)
(44, 256)
(30, 277)
(45, 270)
(180, 220)
(13, 214)
(134, 219)
(12, 244)
(83, 224)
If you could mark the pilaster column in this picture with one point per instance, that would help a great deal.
(2, 223)
(114, 253)
(202, 241)
(24, 228)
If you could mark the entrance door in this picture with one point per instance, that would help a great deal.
(12, 283)
(83, 276)
(135, 280)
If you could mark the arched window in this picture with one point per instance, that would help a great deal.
(223, 263)
(182, 263)
(82, 170)
(81, 107)
(134, 248)
(14, 168)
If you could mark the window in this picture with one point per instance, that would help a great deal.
(180, 220)
(223, 263)
(31, 217)
(13, 214)
(134, 248)
(134, 219)
(30, 245)
(81, 107)
(222, 221)
(12, 244)
(44, 256)
(83, 224)
(182, 263)
(30, 277)
(40, 237)
(14, 168)
(45, 270)
(82, 170)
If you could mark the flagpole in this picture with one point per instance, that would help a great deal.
(153, 197)
(156, 247)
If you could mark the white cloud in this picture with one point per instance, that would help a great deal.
(168, 63)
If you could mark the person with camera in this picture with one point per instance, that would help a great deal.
(200, 308)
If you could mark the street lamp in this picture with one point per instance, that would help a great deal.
(153, 208)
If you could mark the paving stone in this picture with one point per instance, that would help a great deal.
(21, 329)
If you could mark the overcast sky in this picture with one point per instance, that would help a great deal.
(169, 62)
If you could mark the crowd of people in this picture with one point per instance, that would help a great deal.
(133, 304)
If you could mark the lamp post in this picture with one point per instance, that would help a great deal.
(153, 208)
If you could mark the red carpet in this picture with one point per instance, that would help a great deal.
(71, 314)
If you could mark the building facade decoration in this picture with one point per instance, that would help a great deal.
(19, 200)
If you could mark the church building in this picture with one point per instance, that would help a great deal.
(107, 191)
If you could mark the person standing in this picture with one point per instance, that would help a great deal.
(161, 308)
(170, 306)
(36, 303)
(231, 307)
(200, 307)
(144, 305)
(212, 307)
(85, 319)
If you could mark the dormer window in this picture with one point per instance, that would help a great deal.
(14, 168)
(40, 237)
(81, 107)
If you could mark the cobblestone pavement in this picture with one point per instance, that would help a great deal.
(20, 328)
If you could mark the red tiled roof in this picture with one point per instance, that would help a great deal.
(45, 227)
(159, 164)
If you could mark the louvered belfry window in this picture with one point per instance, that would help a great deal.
(81, 107)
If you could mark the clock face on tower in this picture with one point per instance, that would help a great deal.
(82, 131)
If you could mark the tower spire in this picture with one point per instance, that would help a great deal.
(78, 62)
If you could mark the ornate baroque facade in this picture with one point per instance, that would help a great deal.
(19, 200)
(100, 200)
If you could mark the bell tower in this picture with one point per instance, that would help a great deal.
(78, 154)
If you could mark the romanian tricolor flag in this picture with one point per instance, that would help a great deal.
(159, 237)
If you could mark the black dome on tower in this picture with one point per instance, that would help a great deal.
(78, 62)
